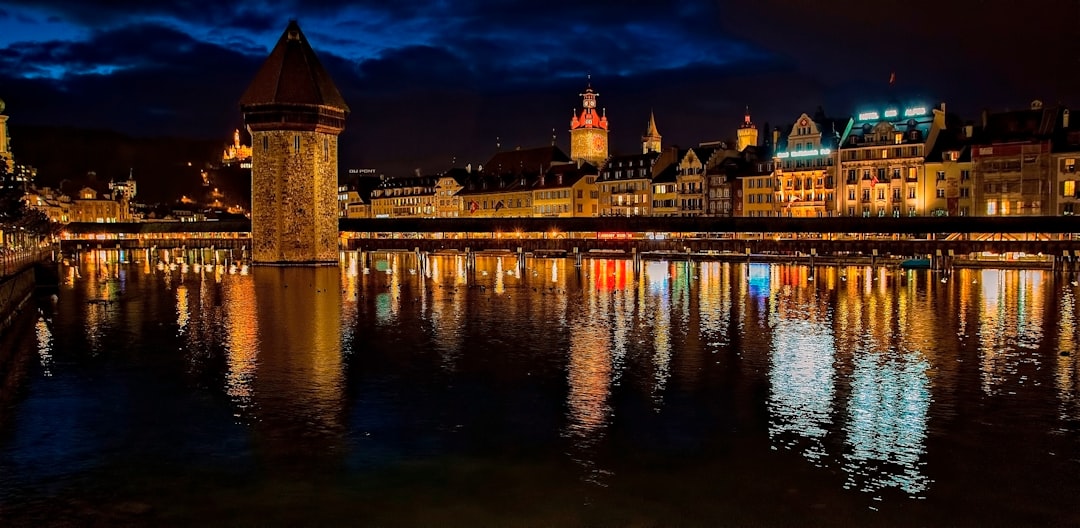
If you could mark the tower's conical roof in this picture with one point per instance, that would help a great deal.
(293, 75)
(650, 129)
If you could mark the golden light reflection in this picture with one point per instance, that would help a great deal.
(182, 311)
(1067, 367)
(44, 346)
(241, 322)
(1010, 327)
(298, 384)
(589, 376)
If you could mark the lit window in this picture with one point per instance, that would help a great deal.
(1070, 188)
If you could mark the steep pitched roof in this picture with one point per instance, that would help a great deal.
(292, 74)
(531, 160)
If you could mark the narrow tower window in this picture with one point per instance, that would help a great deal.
(326, 149)
(266, 143)
(296, 143)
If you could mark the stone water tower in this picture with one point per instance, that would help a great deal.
(294, 114)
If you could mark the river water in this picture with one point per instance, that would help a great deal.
(397, 390)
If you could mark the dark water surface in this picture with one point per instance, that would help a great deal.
(437, 392)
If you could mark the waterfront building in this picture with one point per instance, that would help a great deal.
(405, 197)
(1064, 161)
(882, 160)
(690, 178)
(295, 114)
(758, 192)
(589, 131)
(1012, 157)
(488, 195)
(651, 140)
(948, 186)
(625, 183)
(347, 194)
(564, 191)
(504, 186)
(56, 205)
(805, 162)
(447, 201)
(723, 178)
(92, 206)
(747, 133)
(665, 190)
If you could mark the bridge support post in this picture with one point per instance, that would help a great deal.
(873, 258)
(813, 254)
(577, 257)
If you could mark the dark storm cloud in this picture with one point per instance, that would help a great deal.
(434, 81)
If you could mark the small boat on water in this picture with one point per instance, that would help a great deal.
(916, 263)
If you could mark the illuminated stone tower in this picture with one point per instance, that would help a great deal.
(650, 142)
(747, 132)
(5, 141)
(589, 131)
(294, 113)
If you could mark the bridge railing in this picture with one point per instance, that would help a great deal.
(13, 261)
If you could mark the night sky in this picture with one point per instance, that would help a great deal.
(433, 82)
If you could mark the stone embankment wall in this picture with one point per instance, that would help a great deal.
(15, 292)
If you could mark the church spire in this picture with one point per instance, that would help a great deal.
(650, 141)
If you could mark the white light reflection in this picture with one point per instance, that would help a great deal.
(802, 386)
(886, 430)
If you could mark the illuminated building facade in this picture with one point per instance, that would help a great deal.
(408, 197)
(295, 114)
(5, 139)
(665, 191)
(564, 191)
(651, 140)
(625, 183)
(805, 163)
(1012, 157)
(447, 202)
(690, 179)
(90, 206)
(883, 160)
(758, 193)
(1067, 200)
(237, 154)
(949, 184)
(589, 131)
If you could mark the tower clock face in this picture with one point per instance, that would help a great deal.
(598, 143)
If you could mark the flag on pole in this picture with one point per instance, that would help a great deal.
(473, 206)
(892, 78)
(499, 205)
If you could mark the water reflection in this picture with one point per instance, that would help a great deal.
(886, 429)
(1010, 325)
(802, 376)
(405, 360)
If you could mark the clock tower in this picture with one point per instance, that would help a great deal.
(589, 131)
